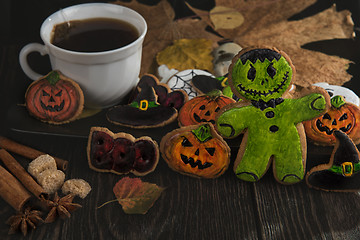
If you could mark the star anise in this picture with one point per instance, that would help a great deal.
(62, 207)
(23, 220)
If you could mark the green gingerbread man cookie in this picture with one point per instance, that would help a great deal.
(272, 126)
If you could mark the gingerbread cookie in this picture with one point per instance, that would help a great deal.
(196, 150)
(342, 115)
(154, 106)
(203, 108)
(54, 99)
(341, 174)
(121, 153)
(273, 132)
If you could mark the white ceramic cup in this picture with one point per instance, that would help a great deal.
(105, 77)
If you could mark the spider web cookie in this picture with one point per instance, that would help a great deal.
(182, 81)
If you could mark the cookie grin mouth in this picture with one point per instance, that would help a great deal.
(323, 128)
(200, 120)
(196, 163)
(55, 108)
(263, 93)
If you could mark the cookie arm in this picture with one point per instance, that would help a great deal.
(309, 106)
(233, 121)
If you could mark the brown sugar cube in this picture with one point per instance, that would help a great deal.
(78, 187)
(51, 180)
(40, 164)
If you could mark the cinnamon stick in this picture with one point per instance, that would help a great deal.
(28, 152)
(12, 191)
(18, 171)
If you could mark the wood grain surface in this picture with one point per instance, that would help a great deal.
(189, 208)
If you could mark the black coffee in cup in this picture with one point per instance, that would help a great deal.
(93, 35)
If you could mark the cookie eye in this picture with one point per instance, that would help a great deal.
(211, 151)
(59, 94)
(271, 71)
(326, 116)
(45, 93)
(343, 117)
(251, 73)
(186, 143)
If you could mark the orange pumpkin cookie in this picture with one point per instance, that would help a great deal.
(54, 99)
(342, 115)
(203, 108)
(196, 150)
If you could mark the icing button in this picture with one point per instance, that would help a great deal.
(274, 128)
(270, 114)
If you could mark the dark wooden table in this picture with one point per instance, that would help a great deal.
(223, 208)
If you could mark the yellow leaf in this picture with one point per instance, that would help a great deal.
(187, 54)
(225, 18)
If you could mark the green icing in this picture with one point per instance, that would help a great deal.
(53, 77)
(203, 133)
(262, 80)
(337, 101)
(227, 92)
(272, 134)
(151, 104)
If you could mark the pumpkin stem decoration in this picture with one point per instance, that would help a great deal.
(202, 133)
(53, 77)
(337, 101)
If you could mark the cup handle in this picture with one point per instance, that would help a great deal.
(31, 47)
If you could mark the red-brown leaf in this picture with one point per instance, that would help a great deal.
(136, 196)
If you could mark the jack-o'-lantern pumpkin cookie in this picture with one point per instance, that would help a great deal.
(145, 111)
(196, 150)
(54, 99)
(271, 123)
(342, 173)
(203, 108)
(121, 153)
(342, 115)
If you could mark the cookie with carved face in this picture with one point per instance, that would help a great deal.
(271, 124)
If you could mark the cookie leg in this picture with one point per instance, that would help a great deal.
(252, 165)
(289, 165)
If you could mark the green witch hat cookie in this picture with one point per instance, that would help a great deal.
(143, 112)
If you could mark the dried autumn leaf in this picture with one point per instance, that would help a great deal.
(135, 196)
(266, 24)
(311, 66)
(187, 54)
(163, 30)
(225, 18)
(257, 13)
